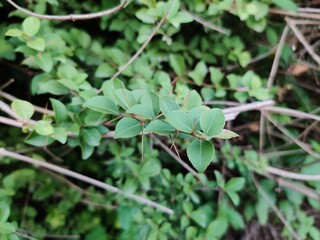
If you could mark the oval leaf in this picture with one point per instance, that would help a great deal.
(102, 104)
(142, 111)
(200, 154)
(44, 128)
(60, 111)
(212, 121)
(159, 127)
(180, 120)
(23, 109)
(127, 127)
(31, 26)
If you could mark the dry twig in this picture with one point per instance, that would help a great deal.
(94, 182)
(70, 17)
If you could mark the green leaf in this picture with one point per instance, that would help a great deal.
(14, 33)
(102, 104)
(4, 212)
(109, 86)
(104, 71)
(6, 228)
(160, 127)
(38, 140)
(67, 71)
(219, 179)
(202, 215)
(167, 105)
(200, 154)
(286, 4)
(86, 149)
(31, 26)
(177, 63)
(60, 134)
(217, 228)
(22, 108)
(44, 61)
(150, 168)
(142, 111)
(193, 100)
(234, 197)
(151, 100)
(127, 127)
(180, 120)
(53, 87)
(212, 121)
(44, 128)
(91, 136)
(215, 75)
(60, 111)
(235, 184)
(225, 134)
(124, 98)
(181, 17)
(38, 44)
(70, 84)
(199, 73)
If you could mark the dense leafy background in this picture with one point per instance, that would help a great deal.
(62, 65)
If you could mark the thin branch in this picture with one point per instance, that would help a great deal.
(37, 108)
(292, 112)
(228, 103)
(70, 17)
(275, 208)
(275, 64)
(175, 157)
(309, 10)
(208, 24)
(84, 178)
(145, 44)
(248, 107)
(7, 109)
(303, 41)
(293, 14)
(304, 146)
(291, 175)
(262, 132)
(11, 122)
(6, 84)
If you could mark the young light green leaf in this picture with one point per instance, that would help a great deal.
(14, 32)
(102, 104)
(86, 149)
(142, 111)
(225, 134)
(127, 127)
(200, 154)
(235, 184)
(219, 179)
(6, 228)
(199, 73)
(286, 4)
(4, 212)
(60, 111)
(44, 61)
(180, 120)
(217, 228)
(234, 197)
(160, 127)
(60, 134)
(215, 75)
(44, 128)
(38, 140)
(22, 108)
(38, 44)
(167, 105)
(178, 64)
(104, 71)
(31, 26)
(212, 121)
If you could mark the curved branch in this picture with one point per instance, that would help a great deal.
(94, 182)
(70, 17)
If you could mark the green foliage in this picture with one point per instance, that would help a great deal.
(169, 90)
